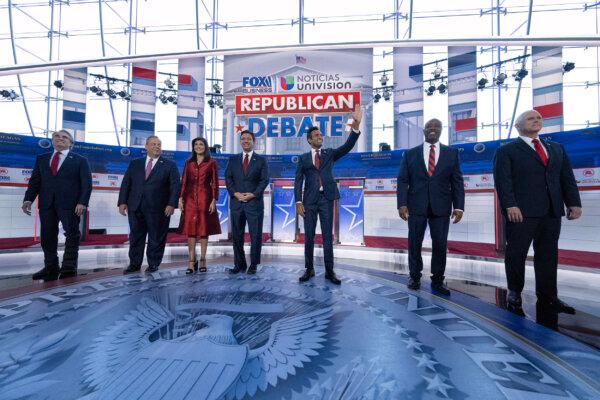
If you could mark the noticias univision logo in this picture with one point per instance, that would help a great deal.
(287, 82)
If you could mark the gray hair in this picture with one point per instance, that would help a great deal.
(521, 118)
(152, 137)
(66, 132)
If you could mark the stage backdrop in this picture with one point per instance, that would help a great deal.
(279, 96)
(190, 101)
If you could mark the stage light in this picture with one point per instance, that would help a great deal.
(437, 72)
(219, 102)
(111, 93)
(520, 74)
(58, 84)
(163, 98)
(9, 94)
(211, 103)
(430, 90)
(442, 88)
(122, 94)
(377, 97)
(481, 83)
(216, 88)
(569, 66)
(5, 93)
(169, 82)
(499, 80)
(384, 147)
(384, 79)
(94, 89)
(171, 99)
(99, 93)
(387, 94)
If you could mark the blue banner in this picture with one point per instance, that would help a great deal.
(283, 212)
(351, 212)
(223, 210)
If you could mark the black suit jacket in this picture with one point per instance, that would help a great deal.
(521, 179)
(160, 190)
(308, 174)
(72, 184)
(444, 190)
(254, 182)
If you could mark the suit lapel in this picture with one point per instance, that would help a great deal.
(527, 149)
(421, 160)
(550, 149)
(67, 161)
(442, 159)
(159, 162)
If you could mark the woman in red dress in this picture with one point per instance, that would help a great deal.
(197, 202)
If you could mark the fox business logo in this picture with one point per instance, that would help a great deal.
(257, 84)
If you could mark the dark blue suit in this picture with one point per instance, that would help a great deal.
(319, 203)
(430, 199)
(255, 181)
(146, 200)
(57, 197)
(541, 193)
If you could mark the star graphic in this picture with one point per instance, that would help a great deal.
(437, 384)
(100, 299)
(385, 318)
(77, 306)
(239, 128)
(348, 208)
(398, 329)
(284, 208)
(51, 315)
(224, 206)
(411, 343)
(372, 309)
(426, 361)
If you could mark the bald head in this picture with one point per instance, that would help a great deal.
(432, 130)
(529, 123)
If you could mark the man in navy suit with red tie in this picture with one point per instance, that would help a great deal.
(534, 181)
(430, 189)
(62, 181)
(149, 195)
(315, 175)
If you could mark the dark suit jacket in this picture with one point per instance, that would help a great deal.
(72, 184)
(157, 192)
(308, 174)
(521, 179)
(444, 190)
(254, 182)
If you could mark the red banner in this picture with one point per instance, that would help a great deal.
(296, 103)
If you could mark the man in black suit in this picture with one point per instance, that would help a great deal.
(246, 177)
(534, 181)
(62, 181)
(148, 196)
(430, 189)
(315, 173)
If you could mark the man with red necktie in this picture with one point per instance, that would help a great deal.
(430, 190)
(534, 181)
(62, 181)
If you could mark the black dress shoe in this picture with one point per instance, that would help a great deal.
(67, 273)
(558, 305)
(330, 276)
(515, 307)
(441, 288)
(152, 268)
(236, 270)
(252, 270)
(132, 269)
(309, 273)
(47, 274)
(413, 284)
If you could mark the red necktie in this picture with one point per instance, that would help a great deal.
(245, 164)
(54, 163)
(318, 165)
(539, 149)
(431, 164)
(148, 168)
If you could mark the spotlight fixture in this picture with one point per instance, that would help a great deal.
(163, 98)
(437, 72)
(481, 83)
(211, 103)
(4, 93)
(219, 102)
(442, 88)
(122, 94)
(94, 89)
(377, 97)
(499, 80)
(169, 82)
(216, 88)
(9, 94)
(99, 92)
(569, 66)
(387, 94)
(111, 93)
(58, 84)
(430, 90)
(520, 74)
(384, 79)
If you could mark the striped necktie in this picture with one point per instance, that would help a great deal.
(431, 163)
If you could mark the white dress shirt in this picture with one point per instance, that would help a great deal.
(249, 156)
(61, 158)
(427, 149)
(154, 160)
(529, 141)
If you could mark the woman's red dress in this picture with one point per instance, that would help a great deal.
(199, 186)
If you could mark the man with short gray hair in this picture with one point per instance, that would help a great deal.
(62, 182)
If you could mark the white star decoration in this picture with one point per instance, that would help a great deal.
(354, 224)
(411, 343)
(426, 361)
(437, 384)
(220, 213)
(283, 208)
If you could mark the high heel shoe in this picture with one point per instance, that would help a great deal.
(202, 265)
(193, 267)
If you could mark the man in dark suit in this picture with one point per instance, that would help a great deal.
(148, 196)
(534, 181)
(62, 181)
(315, 173)
(430, 189)
(246, 177)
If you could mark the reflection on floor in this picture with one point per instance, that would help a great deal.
(166, 335)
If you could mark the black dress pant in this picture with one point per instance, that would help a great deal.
(438, 228)
(143, 223)
(254, 216)
(49, 219)
(323, 209)
(544, 233)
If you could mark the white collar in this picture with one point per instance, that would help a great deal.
(250, 153)
(62, 152)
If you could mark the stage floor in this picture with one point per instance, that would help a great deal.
(215, 335)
